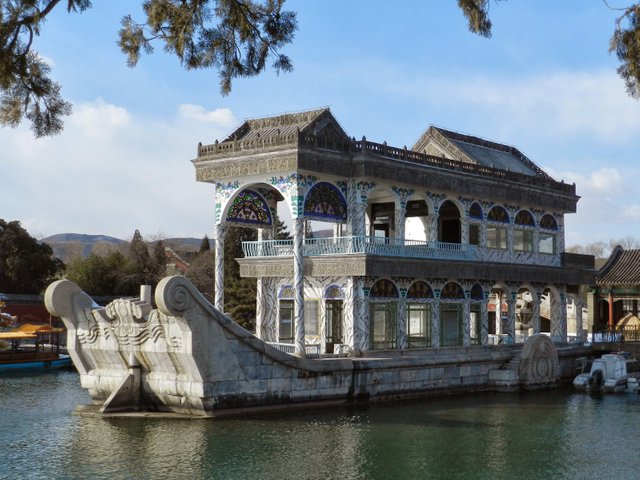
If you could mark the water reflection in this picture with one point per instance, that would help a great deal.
(558, 435)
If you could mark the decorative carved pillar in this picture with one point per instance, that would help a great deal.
(510, 240)
(466, 320)
(535, 311)
(563, 317)
(484, 322)
(349, 313)
(400, 217)
(219, 280)
(435, 320)
(511, 318)
(266, 310)
(464, 230)
(402, 194)
(432, 220)
(401, 330)
(357, 192)
(298, 285)
(361, 317)
(577, 304)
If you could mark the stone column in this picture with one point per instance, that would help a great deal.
(466, 321)
(401, 330)
(361, 318)
(219, 256)
(464, 230)
(432, 220)
(510, 241)
(266, 310)
(484, 323)
(562, 320)
(535, 311)
(400, 216)
(435, 323)
(511, 314)
(577, 303)
(298, 286)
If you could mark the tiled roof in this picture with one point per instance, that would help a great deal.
(622, 268)
(468, 148)
(278, 125)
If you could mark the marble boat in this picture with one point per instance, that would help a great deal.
(185, 357)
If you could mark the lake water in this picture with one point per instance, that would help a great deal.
(536, 435)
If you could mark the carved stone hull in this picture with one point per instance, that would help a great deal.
(187, 357)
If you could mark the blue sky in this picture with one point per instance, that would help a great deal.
(544, 83)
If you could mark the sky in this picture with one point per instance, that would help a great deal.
(544, 83)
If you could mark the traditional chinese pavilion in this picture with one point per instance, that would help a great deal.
(617, 289)
(432, 246)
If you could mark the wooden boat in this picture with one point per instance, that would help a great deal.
(30, 347)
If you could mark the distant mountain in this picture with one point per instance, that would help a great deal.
(68, 246)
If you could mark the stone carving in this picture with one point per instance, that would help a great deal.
(539, 365)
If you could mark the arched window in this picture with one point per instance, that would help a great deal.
(547, 242)
(523, 233)
(452, 291)
(249, 207)
(449, 223)
(548, 222)
(497, 234)
(325, 202)
(475, 211)
(285, 314)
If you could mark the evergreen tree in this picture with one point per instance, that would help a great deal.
(159, 261)
(205, 245)
(235, 37)
(201, 272)
(239, 293)
(26, 265)
(142, 266)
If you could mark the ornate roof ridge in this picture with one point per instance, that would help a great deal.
(302, 118)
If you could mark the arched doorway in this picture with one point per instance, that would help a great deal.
(449, 228)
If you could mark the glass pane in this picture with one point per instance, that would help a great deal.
(286, 321)
(418, 324)
(547, 243)
(311, 317)
(474, 234)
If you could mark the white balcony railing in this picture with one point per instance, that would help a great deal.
(394, 247)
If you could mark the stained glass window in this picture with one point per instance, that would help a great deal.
(452, 291)
(476, 292)
(384, 289)
(249, 207)
(325, 201)
(333, 292)
(498, 214)
(475, 211)
(286, 292)
(525, 218)
(548, 222)
(420, 290)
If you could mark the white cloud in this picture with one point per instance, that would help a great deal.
(222, 117)
(632, 211)
(555, 104)
(110, 172)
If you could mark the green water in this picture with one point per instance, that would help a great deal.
(538, 435)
